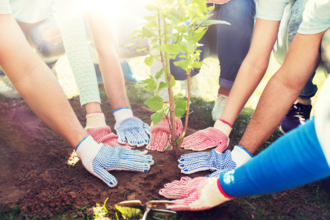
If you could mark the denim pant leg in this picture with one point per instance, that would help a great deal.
(48, 52)
(233, 42)
(295, 20)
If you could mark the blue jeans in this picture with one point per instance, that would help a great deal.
(229, 43)
(289, 26)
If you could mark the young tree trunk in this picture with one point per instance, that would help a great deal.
(187, 112)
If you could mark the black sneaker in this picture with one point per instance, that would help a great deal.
(326, 185)
(297, 115)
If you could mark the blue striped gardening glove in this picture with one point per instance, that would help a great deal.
(213, 160)
(99, 159)
(131, 128)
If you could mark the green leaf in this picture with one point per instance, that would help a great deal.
(199, 33)
(157, 117)
(129, 44)
(148, 33)
(172, 80)
(168, 148)
(154, 40)
(173, 15)
(151, 24)
(210, 22)
(183, 63)
(182, 28)
(134, 32)
(178, 141)
(151, 7)
(142, 83)
(159, 73)
(148, 84)
(211, 8)
(173, 36)
(162, 85)
(187, 46)
(178, 96)
(180, 108)
(148, 60)
(170, 48)
(140, 50)
(149, 18)
(196, 64)
(154, 102)
(201, 5)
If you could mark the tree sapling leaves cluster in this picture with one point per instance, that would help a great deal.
(173, 33)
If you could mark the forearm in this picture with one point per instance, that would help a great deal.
(282, 90)
(293, 160)
(106, 45)
(252, 69)
(36, 83)
(247, 80)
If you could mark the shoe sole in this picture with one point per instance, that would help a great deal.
(281, 130)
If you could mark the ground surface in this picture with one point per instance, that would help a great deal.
(37, 174)
(41, 177)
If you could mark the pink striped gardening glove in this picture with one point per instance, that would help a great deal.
(161, 134)
(221, 2)
(101, 133)
(196, 194)
(209, 138)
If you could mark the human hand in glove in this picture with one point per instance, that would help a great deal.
(99, 159)
(209, 138)
(161, 134)
(97, 128)
(196, 194)
(213, 160)
(131, 128)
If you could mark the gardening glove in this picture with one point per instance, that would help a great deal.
(96, 127)
(99, 159)
(209, 138)
(213, 160)
(131, 128)
(196, 194)
(161, 135)
(220, 2)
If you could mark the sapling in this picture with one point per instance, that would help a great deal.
(173, 33)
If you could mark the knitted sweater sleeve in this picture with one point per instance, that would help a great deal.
(71, 22)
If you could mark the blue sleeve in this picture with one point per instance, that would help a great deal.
(293, 160)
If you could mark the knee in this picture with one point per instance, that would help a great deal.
(52, 35)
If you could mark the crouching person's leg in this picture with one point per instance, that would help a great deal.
(46, 39)
(325, 48)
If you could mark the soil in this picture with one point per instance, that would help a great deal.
(37, 171)
(34, 167)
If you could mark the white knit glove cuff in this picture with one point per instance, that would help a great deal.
(226, 129)
(240, 156)
(122, 115)
(87, 151)
(210, 196)
(95, 120)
